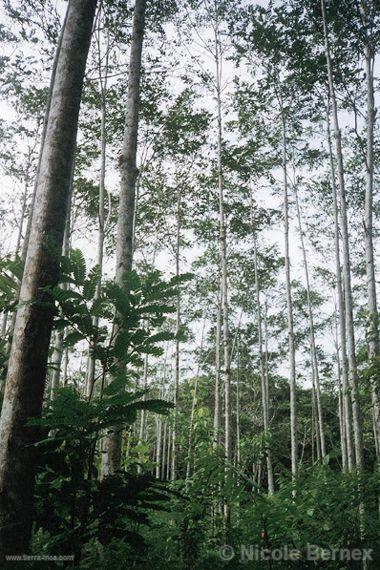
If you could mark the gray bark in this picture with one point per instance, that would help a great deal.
(193, 407)
(216, 432)
(291, 345)
(90, 372)
(223, 256)
(341, 402)
(44, 130)
(347, 406)
(160, 444)
(177, 347)
(59, 335)
(29, 352)
(238, 454)
(264, 377)
(313, 352)
(356, 413)
(128, 172)
(373, 316)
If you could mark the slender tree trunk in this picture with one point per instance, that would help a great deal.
(17, 248)
(90, 373)
(291, 345)
(264, 376)
(238, 458)
(65, 366)
(347, 405)
(316, 423)
(164, 440)
(312, 430)
(226, 373)
(157, 469)
(142, 429)
(313, 351)
(177, 348)
(160, 442)
(216, 433)
(128, 170)
(373, 316)
(22, 215)
(357, 421)
(223, 260)
(341, 402)
(102, 222)
(193, 407)
(43, 136)
(59, 335)
(29, 352)
(168, 461)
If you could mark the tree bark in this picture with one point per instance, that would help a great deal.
(357, 421)
(44, 130)
(313, 351)
(223, 252)
(59, 335)
(341, 402)
(29, 352)
(373, 316)
(264, 376)
(142, 428)
(90, 372)
(225, 371)
(193, 407)
(128, 172)
(177, 348)
(291, 345)
(216, 432)
(347, 406)
(238, 428)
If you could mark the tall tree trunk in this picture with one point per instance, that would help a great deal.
(341, 402)
(59, 335)
(347, 405)
(164, 440)
(373, 316)
(313, 351)
(43, 136)
(160, 442)
(17, 248)
(225, 370)
(263, 375)
(168, 456)
(177, 353)
(357, 421)
(142, 428)
(23, 211)
(29, 352)
(238, 428)
(291, 345)
(223, 255)
(90, 373)
(129, 172)
(218, 330)
(193, 407)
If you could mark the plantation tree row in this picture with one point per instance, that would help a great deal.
(189, 351)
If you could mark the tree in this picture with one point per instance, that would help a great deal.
(357, 420)
(28, 358)
(128, 174)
